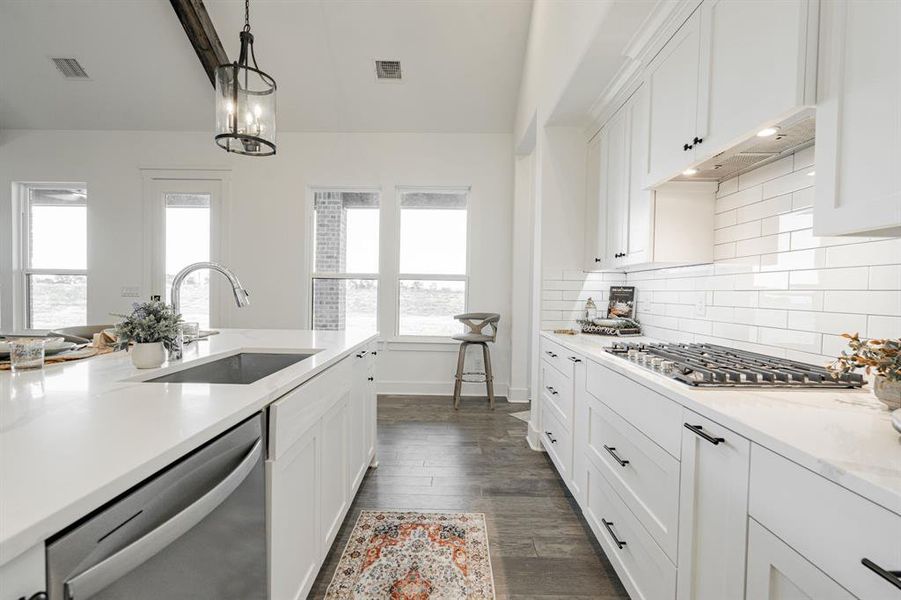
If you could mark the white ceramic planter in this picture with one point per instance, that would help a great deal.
(888, 392)
(148, 356)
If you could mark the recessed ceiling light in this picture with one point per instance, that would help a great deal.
(812, 173)
(690, 172)
(768, 131)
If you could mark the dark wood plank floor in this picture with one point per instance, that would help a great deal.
(434, 458)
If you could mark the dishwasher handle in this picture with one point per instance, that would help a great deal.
(88, 583)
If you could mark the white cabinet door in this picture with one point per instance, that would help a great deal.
(295, 550)
(616, 175)
(858, 125)
(754, 68)
(358, 413)
(713, 511)
(334, 480)
(672, 81)
(777, 572)
(638, 232)
(595, 203)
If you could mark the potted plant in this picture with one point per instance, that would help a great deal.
(153, 327)
(880, 356)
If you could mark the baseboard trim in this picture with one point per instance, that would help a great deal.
(437, 388)
(533, 438)
(518, 395)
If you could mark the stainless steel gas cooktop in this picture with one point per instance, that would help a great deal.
(710, 365)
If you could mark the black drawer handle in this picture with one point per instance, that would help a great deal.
(700, 431)
(574, 359)
(551, 354)
(612, 452)
(550, 437)
(697, 140)
(686, 147)
(551, 390)
(370, 378)
(609, 525)
(597, 260)
(893, 577)
(362, 354)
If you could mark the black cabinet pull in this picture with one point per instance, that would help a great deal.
(700, 431)
(686, 147)
(597, 260)
(612, 452)
(609, 525)
(37, 596)
(574, 359)
(362, 354)
(374, 352)
(893, 577)
(550, 437)
(370, 378)
(551, 390)
(697, 140)
(551, 354)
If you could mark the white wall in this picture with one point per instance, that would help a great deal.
(267, 245)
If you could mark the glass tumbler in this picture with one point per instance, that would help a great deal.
(26, 353)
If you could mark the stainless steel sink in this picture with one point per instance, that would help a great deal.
(242, 368)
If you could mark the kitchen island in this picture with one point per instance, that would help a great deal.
(76, 435)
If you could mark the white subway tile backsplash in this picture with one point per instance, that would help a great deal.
(830, 279)
(885, 277)
(787, 184)
(793, 300)
(773, 288)
(884, 327)
(834, 323)
(872, 302)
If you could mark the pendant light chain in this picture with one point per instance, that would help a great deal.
(246, 15)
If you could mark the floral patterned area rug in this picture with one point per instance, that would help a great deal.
(415, 556)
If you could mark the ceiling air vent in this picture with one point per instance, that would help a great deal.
(387, 69)
(70, 68)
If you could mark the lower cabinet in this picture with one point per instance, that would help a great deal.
(713, 511)
(322, 439)
(295, 546)
(777, 572)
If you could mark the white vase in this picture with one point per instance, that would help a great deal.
(888, 392)
(148, 356)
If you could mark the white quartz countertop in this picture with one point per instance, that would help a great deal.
(843, 435)
(75, 435)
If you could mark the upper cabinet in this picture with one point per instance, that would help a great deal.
(858, 124)
(733, 68)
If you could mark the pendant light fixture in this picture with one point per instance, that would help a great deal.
(245, 102)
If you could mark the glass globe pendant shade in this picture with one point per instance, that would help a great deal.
(245, 105)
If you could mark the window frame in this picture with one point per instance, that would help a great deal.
(311, 259)
(23, 310)
(399, 276)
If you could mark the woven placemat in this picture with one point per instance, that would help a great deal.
(86, 352)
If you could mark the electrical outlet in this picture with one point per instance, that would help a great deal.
(701, 307)
(130, 291)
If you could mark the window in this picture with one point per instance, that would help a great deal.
(345, 259)
(433, 262)
(183, 229)
(54, 251)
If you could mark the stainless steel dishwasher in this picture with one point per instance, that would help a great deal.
(194, 531)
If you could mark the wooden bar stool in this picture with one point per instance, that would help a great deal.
(477, 323)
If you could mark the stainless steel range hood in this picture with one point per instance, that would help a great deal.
(794, 134)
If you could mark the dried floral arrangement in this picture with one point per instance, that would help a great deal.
(880, 356)
(149, 322)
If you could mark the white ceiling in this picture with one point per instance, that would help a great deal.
(462, 61)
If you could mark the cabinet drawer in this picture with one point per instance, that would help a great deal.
(557, 393)
(562, 359)
(641, 565)
(654, 415)
(833, 528)
(557, 441)
(649, 479)
(294, 413)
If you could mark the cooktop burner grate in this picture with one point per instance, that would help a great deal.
(717, 366)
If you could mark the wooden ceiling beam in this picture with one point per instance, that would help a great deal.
(202, 35)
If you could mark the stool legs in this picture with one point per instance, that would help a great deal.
(489, 378)
(458, 380)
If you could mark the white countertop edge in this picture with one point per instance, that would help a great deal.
(880, 495)
(16, 543)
